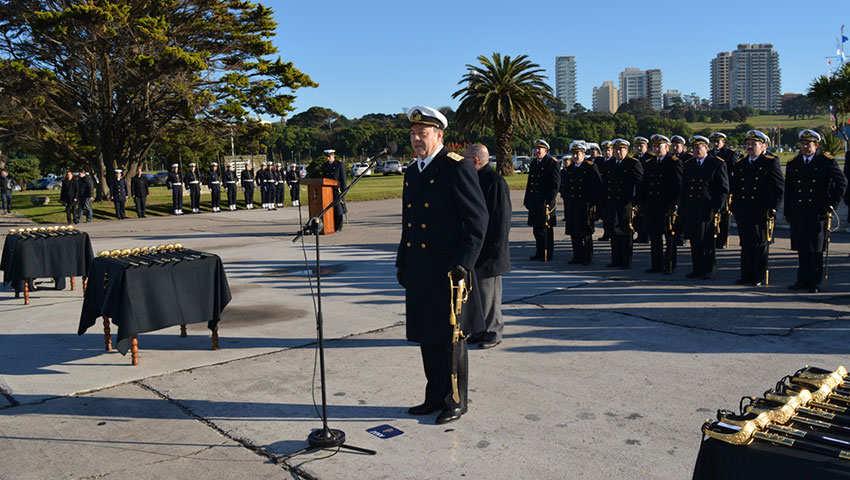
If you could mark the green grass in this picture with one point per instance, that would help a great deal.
(761, 122)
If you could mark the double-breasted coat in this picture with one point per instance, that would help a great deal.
(810, 190)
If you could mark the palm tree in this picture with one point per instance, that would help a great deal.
(833, 92)
(504, 92)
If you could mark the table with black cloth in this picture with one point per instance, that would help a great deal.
(146, 298)
(718, 459)
(56, 255)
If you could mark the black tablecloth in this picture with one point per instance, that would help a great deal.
(46, 256)
(148, 298)
(759, 459)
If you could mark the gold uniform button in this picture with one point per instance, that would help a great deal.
(432, 181)
(409, 224)
(423, 225)
(406, 184)
(423, 245)
(409, 205)
(426, 205)
(408, 244)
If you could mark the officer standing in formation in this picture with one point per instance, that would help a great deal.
(718, 141)
(814, 186)
(756, 185)
(659, 201)
(247, 178)
(174, 182)
(544, 182)
(643, 155)
(623, 181)
(581, 186)
(139, 192)
(279, 185)
(294, 180)
(230, 185)
(705, 186)
(495, 258)
(444, 221)
(336, 171)
(214, 182)
(118, 193)
(193, 181)
(264, 180)
(607, 154)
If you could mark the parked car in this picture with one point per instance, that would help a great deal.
(361, 168)
(521, 163)
(158, 179)
(54, 185)
(392, 167)
(302, 170)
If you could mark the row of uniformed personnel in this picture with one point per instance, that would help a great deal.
(675, 194)
(271, 180)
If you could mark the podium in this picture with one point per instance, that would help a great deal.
(320, 194)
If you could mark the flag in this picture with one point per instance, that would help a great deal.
(844, 39)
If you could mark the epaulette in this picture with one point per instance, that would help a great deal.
(741, 158)
(454, 156)
(828, 155)
(589, 162)
(674, 157)
(769, 156)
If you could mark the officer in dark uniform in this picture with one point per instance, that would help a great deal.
(607, 153)
(544, 182)
(139, 192)
(264, 182)
(230, 181)
(444, 223)
(815, 184)
(118, 193)
(293, 178)
(174, 182)
(279, 184)
(678, 147)
(624, 179)
(705, 187)
(718, 141)
(193, 181)
(581, 185)
(592, 152)
(643, 155)
(659, 199)
(336, 171)
(247, 178)
(756, 189)
(214, 182)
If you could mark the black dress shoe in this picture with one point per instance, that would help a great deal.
(474, 340)
(652, 270)
(626, 267)
(814, 289)
(535, 257)
(758, 283)
(693, 275)
(450, 415)
(706, 276)
(587, 263)
(667, 272)
(797, 286)
(641, 240)
(489, 344)
(743, 281)
(612, 265)
(573, 262)
(603, 238)
(423, 409)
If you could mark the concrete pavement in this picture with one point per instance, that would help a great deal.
(602, 374)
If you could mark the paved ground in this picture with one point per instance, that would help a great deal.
(602, 374)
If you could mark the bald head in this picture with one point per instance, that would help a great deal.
(479, 155)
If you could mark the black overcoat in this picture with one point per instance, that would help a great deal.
(810, 192)
(756, 189)
(336, 171)
(705, 189)
(622, 184)
(495, 257)
(544, 181)
(581, 186)
(662, 184)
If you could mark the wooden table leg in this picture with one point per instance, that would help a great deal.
(183, 330)
(107, 335)
(215, 338)
(134, 347)
(26, 292)
(72, 284)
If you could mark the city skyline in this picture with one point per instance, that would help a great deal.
(382, 58)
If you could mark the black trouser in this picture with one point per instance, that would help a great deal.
(753, 263)
(177, 197)
(661, 258)
(215, 193)
(621, 250)
(582, 248)
(231, 194)
(810, 271)
(702, 253)
(140, 206)
(7, 201)
(279, 193)
(437, 360)
(119, 209)
(268, 194)
(249, 194)
(71, 212)
(294, 192)
(544, 238)
(722, 239)
(195, 196)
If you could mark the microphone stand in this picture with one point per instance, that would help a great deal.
(327, 437)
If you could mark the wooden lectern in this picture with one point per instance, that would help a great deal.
(320, 194)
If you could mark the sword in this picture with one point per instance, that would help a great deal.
(771, 223)
(829, 230)
(459, 296)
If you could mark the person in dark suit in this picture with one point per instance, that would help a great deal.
(607, 154)
(718, 141)
(192, 180)
(118, 193)
(643, 155)
(444, 224)
(581, 186)
(336, 171)
(678, 147)
(624, 179)
(495, 258)
(85, 193)
(230, 185)
(68, 197)
(544, 182)
(174, 182)
(5, 192)
(214, 182)
(294, 180)
(756, 191)
(247, 178)
(139, 192)
(280, 185)
(705, 186)
(815, 185)
(659, 200)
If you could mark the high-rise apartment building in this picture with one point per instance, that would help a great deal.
(669, 95)
(636, 83)
(605, 98)
(565, 80)
(750, 77)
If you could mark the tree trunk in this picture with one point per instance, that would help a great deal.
(504, 154)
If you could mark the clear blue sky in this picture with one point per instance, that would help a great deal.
(382, 56)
